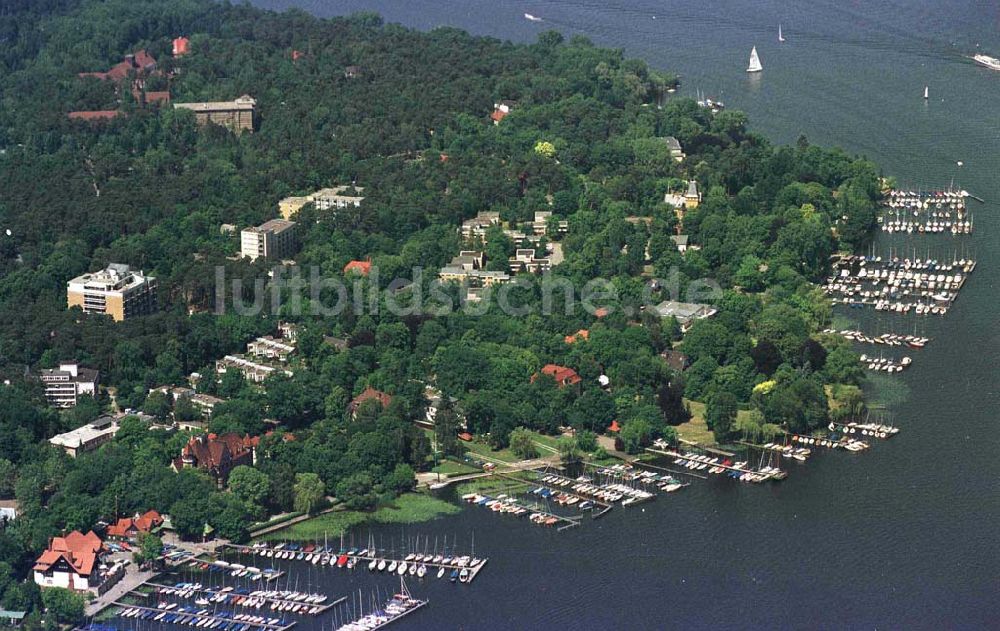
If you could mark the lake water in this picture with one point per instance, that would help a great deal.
(902, 536)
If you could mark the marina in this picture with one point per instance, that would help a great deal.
(718, 465)
(926, 212)
(886, 339)
(901, 285)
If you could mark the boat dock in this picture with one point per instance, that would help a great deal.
(382, 622)
(194, 618)
(231, 598)
(356, 559)
(701, 462)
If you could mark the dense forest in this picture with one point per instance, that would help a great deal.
(585, 141)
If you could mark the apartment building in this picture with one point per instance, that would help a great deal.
(117, 290)
(274, 239)
(64, 385)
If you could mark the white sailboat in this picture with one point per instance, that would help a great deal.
(755, 65)
(781, 38)
(927, 92)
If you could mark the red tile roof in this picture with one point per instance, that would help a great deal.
(297, 54)
(79, 550)
(139, 62)
(216, 454)
(129, 527)
(498, 115)
(564, 376)
(361, 267)
(582, 334)
(94, 115)
(369, 394)
(615, 427)
(181, 45)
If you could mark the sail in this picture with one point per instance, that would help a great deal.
(781, 37)
(755, 65)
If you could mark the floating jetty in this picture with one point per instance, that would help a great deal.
(849, 444)
(875, 430)
(454, 567)
(718, 465)
(397, 607)
(886, 339)
(300, 603)
(509, 505)
(202, 617)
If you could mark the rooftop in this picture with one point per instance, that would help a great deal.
(245, 102)
(114, 277)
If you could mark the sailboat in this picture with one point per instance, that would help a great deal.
(927, 92)
(781, 38)
(755, 65)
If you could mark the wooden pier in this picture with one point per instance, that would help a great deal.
(269, 601)
(197, 617)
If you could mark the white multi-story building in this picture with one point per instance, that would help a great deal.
(64, 385)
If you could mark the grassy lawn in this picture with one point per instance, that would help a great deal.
(406, 509)
(491, 486)
(450, 467)
(482, 449)
(696, 430)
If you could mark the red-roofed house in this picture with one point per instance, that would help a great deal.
(181, 46)
(70, 562)
(358, 267)
(615, 427)
(129, 529)
(563, 376)
(140, 63)
(156, 97)
(582, 334)
(497, 116)
(369, 394)
(297, 55)
(217, 455)
(95, 115)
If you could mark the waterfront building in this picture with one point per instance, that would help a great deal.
(216, 455)
(70, 562)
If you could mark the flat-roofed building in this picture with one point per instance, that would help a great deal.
(88, 437)
(540, 225)
(336, 197)
(478, 225)
(64, 385)
(117, 290)
(524, 260)
(274, 239)
(270, 348)
(237, 114)
(253, 370)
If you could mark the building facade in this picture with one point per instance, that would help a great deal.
(117, 290)
(274, 239)
(70, 562)
(237, 115)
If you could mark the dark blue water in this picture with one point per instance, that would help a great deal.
(904, 536)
